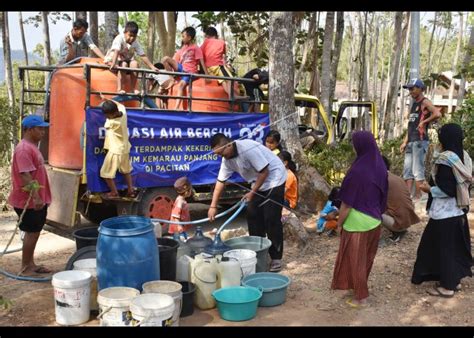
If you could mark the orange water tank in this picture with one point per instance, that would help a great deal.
(201, 89)
(67, 111)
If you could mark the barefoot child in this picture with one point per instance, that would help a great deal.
(328, 216)
(291, 185)
(118, 148)
(123, 51)
(180, 211)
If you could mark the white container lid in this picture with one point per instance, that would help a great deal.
(117, 296)
(71, 278)
(88, 264)
(157, 303)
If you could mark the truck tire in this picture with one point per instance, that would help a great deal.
(97, 212)
(157, 203)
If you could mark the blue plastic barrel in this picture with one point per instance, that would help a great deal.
(127, 254)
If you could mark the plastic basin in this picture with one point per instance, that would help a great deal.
(273, 285)
(237, 303)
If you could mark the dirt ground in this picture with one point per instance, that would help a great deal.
(394, 301)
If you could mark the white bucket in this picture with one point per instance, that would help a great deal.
(114, 303)
(89, 265)
(247, 259)
(152, 309)
(169, 288)
(72, 296)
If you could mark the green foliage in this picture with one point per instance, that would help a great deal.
(465, 118)
(53, 16)
(250, 29)
(5, 303)
(333, 161)
(391, 149)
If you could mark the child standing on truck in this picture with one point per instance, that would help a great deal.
(180, 211)
(123, 51)
(118, 149)
(213, 51)
(186, 60)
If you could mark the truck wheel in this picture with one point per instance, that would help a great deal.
(157, 203)
(97, 212)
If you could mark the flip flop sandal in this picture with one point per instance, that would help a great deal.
(108, 196)
(457, 289)
(437, 292)
(42, 269)
(355, 305)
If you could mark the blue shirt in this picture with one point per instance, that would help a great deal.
(328, 208)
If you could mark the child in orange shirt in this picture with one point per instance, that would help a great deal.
(213, 51)
(180, 211)
(291, 185)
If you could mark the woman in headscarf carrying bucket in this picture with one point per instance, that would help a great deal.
(364, 197)
(444, 253)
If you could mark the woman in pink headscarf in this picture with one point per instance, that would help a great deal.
(364, 197)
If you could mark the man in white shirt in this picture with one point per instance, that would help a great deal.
(259, 166)
(77, 43)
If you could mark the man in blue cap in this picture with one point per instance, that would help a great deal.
(31, 194)
(416, 142)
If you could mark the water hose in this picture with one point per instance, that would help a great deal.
(241, 203)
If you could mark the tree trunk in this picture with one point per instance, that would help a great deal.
(376, 61)
(94, 27)
(167, 33)
(394, 76)
(111, 28)
(81, 15)
(314, 87)
(430, 57)
(455, 63)
(125, 17)
(46, 44)
(326, 64)
(352, 37)
(400, 118)
(311, 29)
(337, 52)
(464, 68)
(150, 48)
(7, 60)
(282, 107)
(25, 51)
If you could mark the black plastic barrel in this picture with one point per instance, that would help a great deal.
(188, 298)
(168, 250)
(86, 237)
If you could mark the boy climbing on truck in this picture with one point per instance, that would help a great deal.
(118, 149)
(123, 51)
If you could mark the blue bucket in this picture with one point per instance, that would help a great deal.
(273, 285)
(127, 254)
(237, 303)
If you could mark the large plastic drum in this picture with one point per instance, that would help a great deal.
(127, 254)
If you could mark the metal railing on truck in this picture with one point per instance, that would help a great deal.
(141, 97)
(144, 93)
